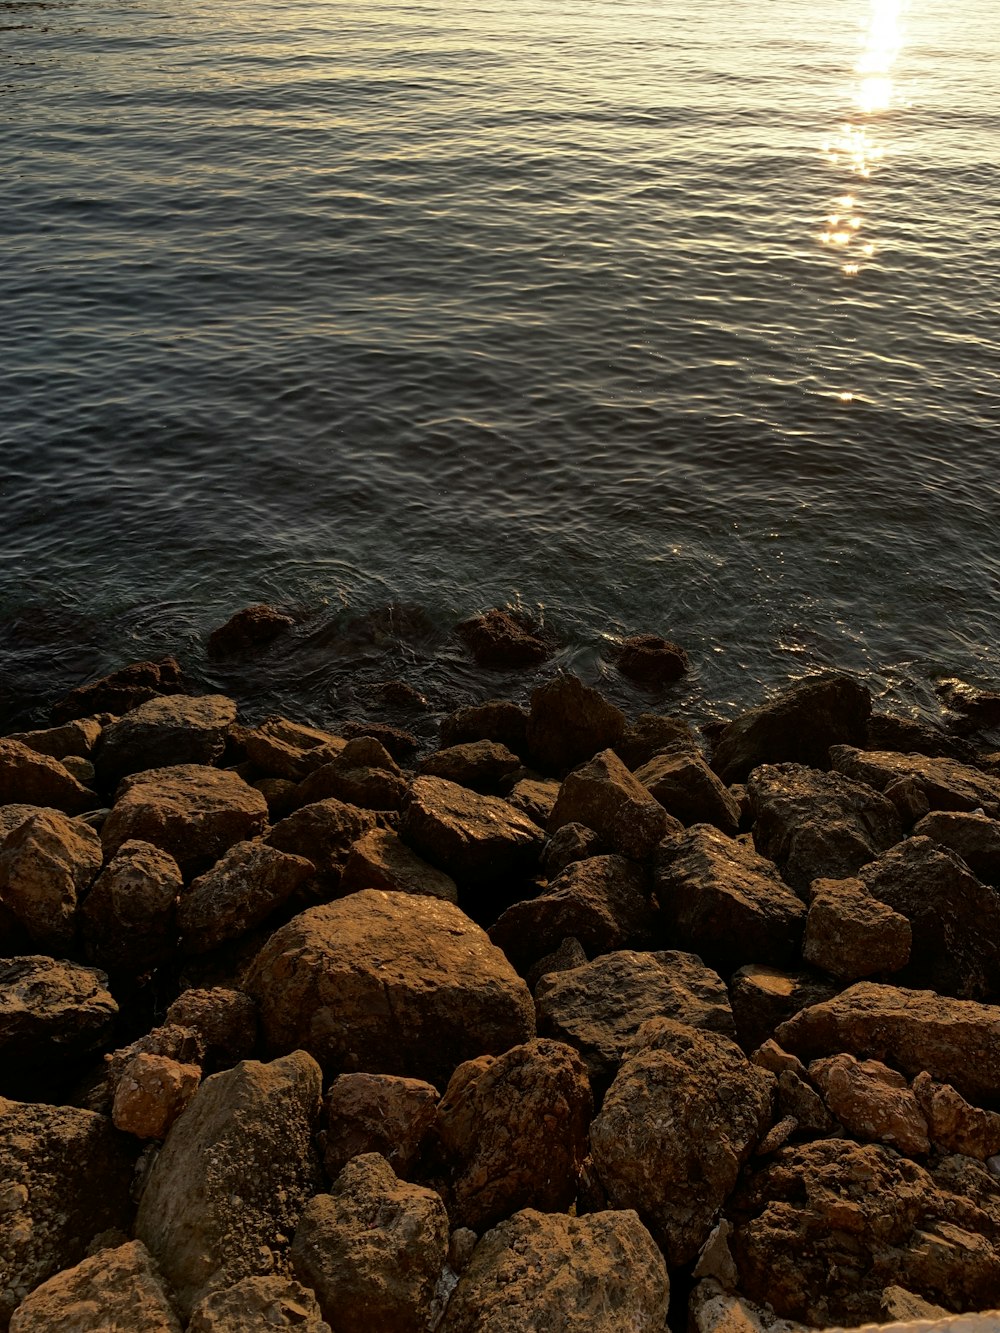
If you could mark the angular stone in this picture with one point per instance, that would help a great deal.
(818, 825)
(498, 720)
(123, 689)
(569, 954)
(979, 709)
(851, 934)
(469, 836)
(249, 630)
(947, 784)
(688, 789)
(907, 735)
(798, 1100)
(226, 1020)
(52, 1015)
(373, 1249)
(127, 920)
(722, 900)
(177, 1045)
(973, 837)
(376, 1113)
(73, 738)
(230, 1183)
(652, 734)
(323, 833)
(572, 842)
(651, 660)
(30, 778)
(686, 1108)
(765, 997)
(287, 749)
(241, 890)
(480, 765)
(116, 1288)
(599, 1006)
(168, 730)
(603, 902)
(259, 1305)
(799, 726)
(46, 865)
(391, 983)
(399, 743)
(602, 1273)
(381, 860)
(151, 1093)
(370, 786)
(604, 796)
(953, 1124)
(872, 1102)
(534, 797)
(193, 812)
(909, 799)
(569, 723)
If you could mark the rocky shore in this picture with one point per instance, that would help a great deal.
(575, 1021)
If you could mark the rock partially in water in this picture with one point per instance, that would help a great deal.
(498, 720)
(651, 660)
(121, 690)
(249, 630)
(178, 729)
(503, 640)
(569, 723)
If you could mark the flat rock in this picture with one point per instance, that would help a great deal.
(765, 997)
(601, 1272)
(818, 825)
(722, 900)
(381, 860)
(30, 778)
(376, 1113)
(481, 765)
(46, 865)
(469, 836)
(52, 1014)
(259, 1305)
(973, 837)
(851, 934)
(604, 796)
(170, 729)
(872, 1102)
(115, 1288)
(688, 789)
(127, 920)
(947, 784)
(241, 890)
(249, 630)
(498, 720)
(569, 723)
(390, 983)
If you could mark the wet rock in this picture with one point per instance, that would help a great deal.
(512, 1132)
(504, 640)
(652, 734)
(72, 738)
(469, 836)
(572, 842)
(651, 660)
(569, 723)
(973, 837)
(401, 694)
(535, 798)
(376, 1113)
(373, 1249)
(852, 935)
(953, 1124)
(324, 833)
(569, 954)
(151, 1093)
(498, 720)
(234, 1174)
(688, 789)
(818, 825)
(241, 890)
(603, 902)
(907, 735)
(722, 900)
(799, 726)
(872, 1102)
(121, 690)
(765, 997)
(979, 709)
(115, 1288)
(381, 860)
(598, 1007)
(66, 1177)
(389, 983)
(481, 765)
(52, 1015)
(46, 865)
(604, 796)
(399, 743)
(249, 630)
(537, 1270)
(364, 773)
(288, 749)
(259, 1305)
(947, 784)
(686, 1106)
(127, 920)
(193, 812)
(955, 920)
(956, 1041)
(226, 1020)
(171, 729)
(30, 778)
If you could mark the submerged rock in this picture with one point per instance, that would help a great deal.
(121, 690)
(651, 660)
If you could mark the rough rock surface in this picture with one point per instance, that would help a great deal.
(722, 900)
(251, 628)
(376, 1113)
(323, 833)
(113, 1289)
(573, 842)
(127, 920)
(497, 720)
(381, 860)
(688, 789)
(259, 1305)
(569, 954)
(481, 765)
(467, 835)
(30, 778)
(651, 660)
(512, 1132)
(601, 1273)
(974, 837)
(357, 777)
(170, 729)
(599, 1006)
(818, 825)
(535, 797)
(604, 796)
(872, 1102)
(287, 749)
(651, 734)
(373, 1249)
(225, 1019)
(52, 1013)
(851, 934)
(765, 997)
(954, 1125)
(241, 890)
(947, 784)
(121, 690)
(46, 865)
(73, 738)
(152, 1091)
(232, 1178)
(389, 982)
(503, 639)
(686, 1107)
(570, 722)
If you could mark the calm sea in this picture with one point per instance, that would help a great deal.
(644, 315)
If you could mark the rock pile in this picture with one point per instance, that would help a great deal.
(561, 1016)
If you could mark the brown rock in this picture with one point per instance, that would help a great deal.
(604, 796)
(232, 1178)
(534, 797)
(497, 720)
(687, 1107)
(688, 789)
(249, 630)
(127, 920)
(853, 935)
(973, 837)
(512, 1132)
(399, 743)
(170, 729)
(376, 1113)
(121, 690)
(504, 640)
(113, 1289)
(73, 738)
(651, 660)
(900, 1305)
(373, 1249)
(52, 1015)
(947, 785)
(908, 797)
(570, 953)
(226, 1020)
(241, 890)
(796, 1099)
(259, 1305)
(151, 1093)
(652, 734)
(174, 1044)
(390, 983)
(287, 749)
(481, 765)
(280, 795)
(980, 709)
(907, 735)
(323, 833)
(371, 786)
(569, 723)
(765, 997)
(818, 825)
(381, 860)
(30, 778)
(537, 1270)
(953, 1124)
(193, 812)
(872, 1102)
(46, 864)
(469, 836)
(722, 900)
(572, 842)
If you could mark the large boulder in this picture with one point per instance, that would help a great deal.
(376, 1113)
(389, 983)
(972, 836)
(481, 765)
(682, 1116)
(121, 690)
(497, 720)
(469, 836)
(570, 722)
(73, 738)
(381, 860)
(604, 796)
(285, 749)
(688, 789)
(170, 729)
(602, 1273)
(241, 890)
(46, 866)
(852, 935)
(127, 920)
(226, 1191)
(259, 1305)
(30, 778)
(945, 783)
(114, 1289)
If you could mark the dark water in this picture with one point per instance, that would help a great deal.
(643, 316)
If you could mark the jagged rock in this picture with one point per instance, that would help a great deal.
(250, 629)
(598, 1007)
(818, 825)
(52, 1015)
(115, 1288)
(376, 1113)
(364, 774)
(226, 1020)
(512, 1132)
(651, 734)
(603, 902)
(177, 1045)
(651, 660)
(686, 1107)
(399, 743)
(373, 1249)
(909, 799)
(604, 796)
(469, 836)
(722, 900)
(980, 709)
(765, 997)
(259, 1305)
(851, 934)
(279, 794)
(497, 720)
(907, 735)
(799, 726)
(534, 797)
(973, 837)
(73, 738)
(481, 765)
(389, 983)
(30, 778)
(46, 865)
(151, 1093)
(955, 920)
(121, 690)
(570, 953)
(572, 842)
(401, 694)
(688, 789)
(537, 1270)
(233, 1176)
(796, 1099)
(872, 1102)
(193, 812)
(13, 816)
(287, 749)
(956, 1041)
(947, 784)
(569, 723)
(240, 891)
(324, 834)
(900, 1305)
(66, 1177)
(127, 919)
(165, 731)
(381, 860)
(954, 1125)
(504, 640)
